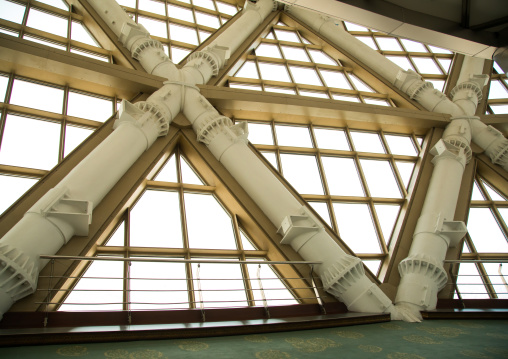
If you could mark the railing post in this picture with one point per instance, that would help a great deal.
(316, 292)
(265, 304)
(48, 299)
(200, 293)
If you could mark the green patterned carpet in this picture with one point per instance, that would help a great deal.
(431, 339)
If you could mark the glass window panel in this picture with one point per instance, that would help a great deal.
(274, 72)
(335, 79)
(359, 84)
(331, 139)
(178, 54)
(322, 209)
(372, 264)
(11, 188)
(302, 172)
(345, 98)
(181, 13)
(56, 3)
(208, 4)
(497, 90)
(237, 85)
(484, 231)
(207, 20)
(342, 176)
(367, 142)
(154, 27)
(189, 175)
(313, 94)
(74, 136)
(221, 284)
(4, 80)
(118, 237)
(426, 65)
(246, 242)
(405, 170)
(401, 145)
(30, 143)
(12, 11)
(295, 53)
(284, 90)
(155, 7)
(89, 107)
(40, 97)
(97, 291)
(413, 46)
(356, 227)
(438, 84)
(80, 33)
(499, 109)
(204, 229)
(387, 215)
(155, 220)
(367, 40)
(226, 8)
(169, 290)
(203, 35)
(305, 75)
(168, 171)
(270, 157)
(477, 194)
(9, 32)
(380, 178)
(248, 70)
(401, 61)
(129, 3)
(470, 283)
(376, 101)
(354, 27)
(270, 36)
(445, 63)
(91, 55)
(495, 271)
(295, 136)
(284, 35)
(388, 44)
(47, 22)
(183, 34)
(498, 68)
(438, 50)
(45, 42)
(260, 133)
(274, 289)
(268, 50)
(321, 58)
(493, 194)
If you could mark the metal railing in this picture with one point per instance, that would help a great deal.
(199, 289)
(481, 284)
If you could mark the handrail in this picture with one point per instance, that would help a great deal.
(475, 261)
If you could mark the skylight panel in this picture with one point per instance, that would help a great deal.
(74, 136)
(180, 13)
(321, 58)
(317, 94)
(359, 84)
(12, 11)
(372, 264)
(40, 97)
(270, 157)
(203, 35)
(438, 50)
(285, 35)
(4, 81)
(445, 63)
(493, 194)
(499, 109)
(376, 101)
(268, 50)
(302, 172)
(438, 84)
(226, 8)
(89, 107)
(401, 61)
(80, 33)
(246, 242)
(380, 178)
(331, 139)
(497, 90)
(45, 42)
(11, 188)
(274, 72)
(477, 194)
(205, 230)
(260, 133)
(426, 65)
(248, 70)
(168, 171)
(335, 79)
(484, 231)
(183, 34)
(401, 145)
(189, 175)
(128, 3)
(270, 36)
(238, 85)
(155, 7)
(353, 27)
(367, 142)
(118, 237)
(207, 20)
(322, 209)
(387, 215)
(470, 282)
(155, 27)
(295, 53)
(178, 54)
(388, 43)
(498, 68)
(413, 46)
(56, 3)
(356, 227)
(367, 40)
(89, 54)
(207, 4)
(284, 90)
(405, 170)
(348, 98)
(305, 75)
(295, 136)
(47, 22)
(30, 143)
(342, 176)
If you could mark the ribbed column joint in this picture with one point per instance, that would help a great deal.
(424, 266)
(18, 273)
